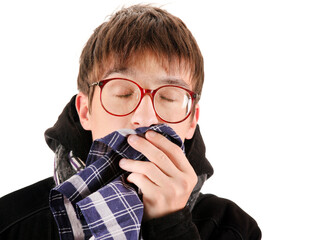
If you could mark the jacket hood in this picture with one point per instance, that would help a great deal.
(68, 133)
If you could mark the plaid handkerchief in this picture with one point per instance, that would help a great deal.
(103, 204)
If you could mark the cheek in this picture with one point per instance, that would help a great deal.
(181, 129)
(104, 123)
(100, 126)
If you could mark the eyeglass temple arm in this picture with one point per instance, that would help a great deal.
(95, 84)
(196, 96)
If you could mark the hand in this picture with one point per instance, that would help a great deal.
(166, 182)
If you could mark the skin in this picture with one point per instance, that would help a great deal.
(168, 179)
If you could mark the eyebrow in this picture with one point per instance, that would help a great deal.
(160, 81)
(122, 70)
(174, 81)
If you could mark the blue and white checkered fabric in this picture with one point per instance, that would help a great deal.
(106, 207)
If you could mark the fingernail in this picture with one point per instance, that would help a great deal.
(133, 138)
(122, 162)
(151, 134)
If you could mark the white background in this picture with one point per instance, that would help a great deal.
(266, 109)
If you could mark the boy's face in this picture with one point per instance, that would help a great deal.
(149, 74)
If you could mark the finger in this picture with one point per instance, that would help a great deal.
(148, 169)
(143, 183)
(155, 155)
(172, 150)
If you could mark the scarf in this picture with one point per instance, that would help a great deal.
(97, 202)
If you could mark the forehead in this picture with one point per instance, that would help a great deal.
(153, 69)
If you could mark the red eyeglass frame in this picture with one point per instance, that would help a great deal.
(144, 91)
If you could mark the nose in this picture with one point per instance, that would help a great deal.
(144, 115)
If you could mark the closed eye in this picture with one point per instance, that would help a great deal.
(124, 95)
(167, 99)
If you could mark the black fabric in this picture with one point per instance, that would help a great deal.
(211, 218)
(196, 154)
(25, 214)
(219, 218)
(68, 132)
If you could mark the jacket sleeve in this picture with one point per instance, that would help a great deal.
(177, 225)
(212, 218)
(218, 218)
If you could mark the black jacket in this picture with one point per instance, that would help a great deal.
(25, 214)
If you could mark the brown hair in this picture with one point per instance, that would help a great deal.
(132, 32)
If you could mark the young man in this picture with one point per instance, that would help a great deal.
(142, 70)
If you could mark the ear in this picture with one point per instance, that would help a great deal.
(194, 122)
(82, 108)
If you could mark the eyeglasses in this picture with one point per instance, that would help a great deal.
(120, 97)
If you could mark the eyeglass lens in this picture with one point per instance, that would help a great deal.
(121, 97)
